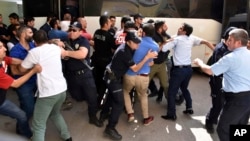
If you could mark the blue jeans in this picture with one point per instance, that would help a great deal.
(26, 98)
(10, 109)
(179, 78)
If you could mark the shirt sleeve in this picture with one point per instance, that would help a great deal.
(222, 65)
(169, 45)
(30, 60)
(197, 40)
(8, 60)
(5, 80)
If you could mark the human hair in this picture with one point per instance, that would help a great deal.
(148, 29)
(28, 19)
(240, 34)
(53, 22)
(14, 16)
(188, 28)
(125, 19)
(158, 25)
(112, 17)
(103, 20)
(67, 16)
(14, 27)
(40, 37)
(21, 29)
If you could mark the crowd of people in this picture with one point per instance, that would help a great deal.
(49, 65)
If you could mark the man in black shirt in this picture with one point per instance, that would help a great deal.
(104, 48)
(79, 77)
(159, 67)
(121, 62)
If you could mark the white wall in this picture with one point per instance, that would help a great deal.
(6, 9)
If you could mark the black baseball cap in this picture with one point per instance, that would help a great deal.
(76, 25)
(133, 37)
(226, 33)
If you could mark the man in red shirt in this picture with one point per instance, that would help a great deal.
(8, 108)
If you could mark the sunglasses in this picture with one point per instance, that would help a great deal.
(74, 30)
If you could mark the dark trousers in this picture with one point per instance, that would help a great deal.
(236, 111)
(217, 100)
(98, 73)
(179, 78)
(115, 101)
(82, 86)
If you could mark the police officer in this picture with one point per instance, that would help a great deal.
(236, 82)
(121, 62)
(79, 76)
(215, 82)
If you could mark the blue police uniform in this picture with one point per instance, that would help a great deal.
(216, 88)
(80, 80)
(121, 62)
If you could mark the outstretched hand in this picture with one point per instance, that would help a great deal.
(198, 62)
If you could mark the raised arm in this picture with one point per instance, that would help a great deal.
(208, 44)
(205, 68)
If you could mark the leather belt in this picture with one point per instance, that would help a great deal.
(143, 74)
(182, 66)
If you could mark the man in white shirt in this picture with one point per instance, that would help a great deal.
(181, 72)
(51, 86)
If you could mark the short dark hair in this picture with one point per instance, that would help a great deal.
(148, 29)
(40, 37)
(53, 22)
(103, 19)
(110, 17)
(21, 29)
(188, 28)
(14, 16)
(125, 19)
(13, 27)
(158, 24)
(28, 19)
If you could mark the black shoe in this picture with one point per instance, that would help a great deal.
(95, 121)
(189, 111)
(112, 133)
(167, 117)
(209, 127)
(69, 139)
(152, 94)
(179, 99)
(159, 99)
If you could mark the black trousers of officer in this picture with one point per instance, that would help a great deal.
(217, 100)
(115, 101)
(236, 111)
(83, 85)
